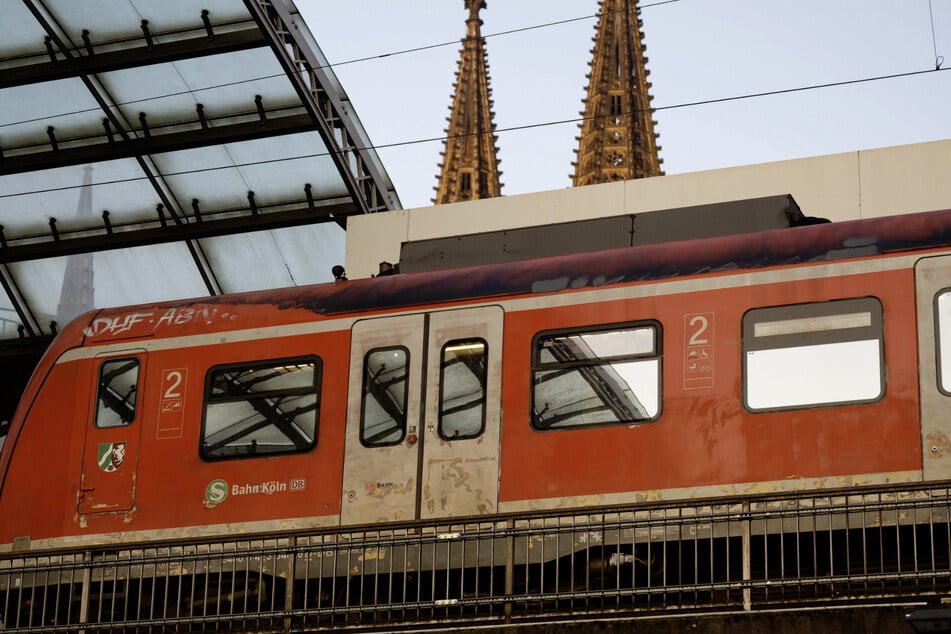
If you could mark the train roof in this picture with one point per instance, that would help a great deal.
(796, 245)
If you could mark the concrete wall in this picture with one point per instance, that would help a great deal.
(864, 184)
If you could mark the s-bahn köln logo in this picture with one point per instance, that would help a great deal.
(111, 455)
(218, 490)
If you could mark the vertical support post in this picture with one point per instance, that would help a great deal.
(84, 596)
(509, 567)
(747, 556)
(289, 588)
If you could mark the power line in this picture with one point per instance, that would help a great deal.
(356, 60)
(781, 91)
(938, 59)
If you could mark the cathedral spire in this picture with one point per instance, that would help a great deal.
(76, 295)
(470, 164)
(617, 139)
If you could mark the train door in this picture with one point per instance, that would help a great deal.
(423, 416)
(110, 454)
(933, 289)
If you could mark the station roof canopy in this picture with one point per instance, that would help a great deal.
(159, 150)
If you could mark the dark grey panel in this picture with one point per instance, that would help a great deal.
(516, 244)
(668, 225)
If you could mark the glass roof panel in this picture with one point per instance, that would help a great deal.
(131, 175)
(223, 84)
(119, 277)
(21, 33)
(28, 110)
(207, 174)
(284, 257)
(302, 158)
(108, 20)
(272, 168)
(28, 201)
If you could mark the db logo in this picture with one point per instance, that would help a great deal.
(298, 484)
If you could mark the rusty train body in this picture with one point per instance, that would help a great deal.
(814, 356)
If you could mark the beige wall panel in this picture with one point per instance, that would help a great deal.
(373, 239)
(906, 179)
(868, 183)
(524, 210)
(825, 186)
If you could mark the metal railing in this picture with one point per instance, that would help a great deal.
(736, 554)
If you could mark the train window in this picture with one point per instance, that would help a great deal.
(462, 389)
(116, 394)
(385, 390)
(261, 409)
(818, 354)
(943, 334)
(609, 375)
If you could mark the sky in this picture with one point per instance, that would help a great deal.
(700, 51)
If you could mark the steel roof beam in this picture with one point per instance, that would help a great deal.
(356, 164)
(206, 226)
(107, 61)
(156, 143)
(116, 119)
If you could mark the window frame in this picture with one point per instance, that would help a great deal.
(103, 362)
(363, 395)
(442, 386)
(657, 354)
(815, 310)
(315, 389)
(939, 375)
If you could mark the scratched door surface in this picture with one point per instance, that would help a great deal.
(380, 480)
(933, 290)
(460, 460)
(423, 416)
(110, 456)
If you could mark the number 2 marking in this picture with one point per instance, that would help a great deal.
(695, 339)
(174, 379)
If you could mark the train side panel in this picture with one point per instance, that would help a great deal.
(42, 479)
(155, 460)
(705, 442)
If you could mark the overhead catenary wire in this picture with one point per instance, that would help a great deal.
(356, 60)
(574, 120)
(442, 138)
(938, 59)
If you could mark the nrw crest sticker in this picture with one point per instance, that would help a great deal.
(111, 456)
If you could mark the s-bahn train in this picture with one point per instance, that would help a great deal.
(814, 356)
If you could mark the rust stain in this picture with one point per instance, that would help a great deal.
(937, 444)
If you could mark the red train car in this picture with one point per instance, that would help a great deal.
(789, 359)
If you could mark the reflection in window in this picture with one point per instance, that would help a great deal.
(943, 326)
(261, 410)
(596, 377)
(384, 397)
(462, 389)
(4, 432)
(10, 323)
(813, 354)
(116, 394)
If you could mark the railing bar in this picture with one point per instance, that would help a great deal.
(947, 524)
(618, 564)
(933, 550)
(746, 554)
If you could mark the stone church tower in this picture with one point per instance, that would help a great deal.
(617, 139)
(470, 164)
